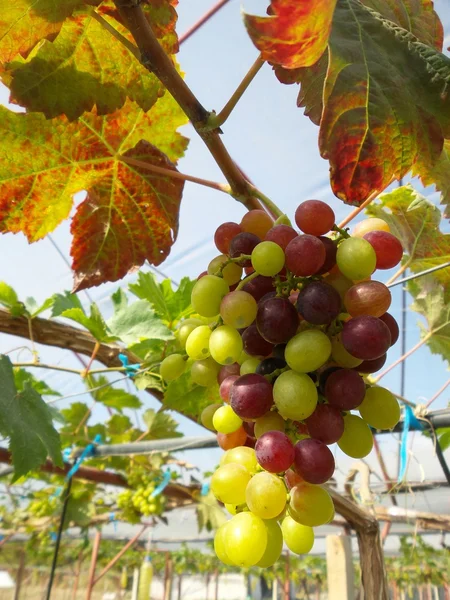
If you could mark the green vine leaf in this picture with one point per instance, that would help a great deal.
(27, 422)
(95, 324)
(295, 34)
(137, 322)
(188, 398)
(33, 307)
(160, 425)
(64, 301)
(444, 438)
(438, 174)
(415, 221)
(148, 380)
(112, 397)
(10, 300)
(130, 213)
(210, 515)
(169, 304)
(24, 379)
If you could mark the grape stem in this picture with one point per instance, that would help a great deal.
(271, 207)
(246, 280)
(214, 120)
(343, 233)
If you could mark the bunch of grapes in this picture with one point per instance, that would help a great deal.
(141, 499)
(44, 506)
(289, 325)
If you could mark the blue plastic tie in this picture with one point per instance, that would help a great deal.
(53, 536)
(130, 370)
(87, 452)
(409, 420)
(205, 488)
(162, 486)
(113, 520)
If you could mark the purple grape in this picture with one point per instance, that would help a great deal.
(324, 376)
(243, 243)
(330, 255)
(366, 337)
(305, 255)
(279, 350)
(254, 343)
(326, 424)
(249, 427)
(345, 389)
(392, 326)
(227, 370)
(313, 461)
(258, 287)
(319, 303)
(269, 365)
(251, 396)
(274, 452)
(371, 366)
(277, 320)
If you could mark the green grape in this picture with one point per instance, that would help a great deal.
(271, 421)
(229, 482)
(243, 356)
(204, 372)
(372, 224)
(225, 420)
(268, 259)
(235, 509)
(246, 539)
(197, 344)
(219, 545)
(208, 293)
(340, 355)
(299, 538)
(308, 351)
(232, 273)
(274, 545)
(380, 408)
(238, 309)
(225, 345)
(249, 366)
(172, 367)
(266, 495)
(295, 395)
(357, 439)
(356, 258)
(207, 415)
(186, 327)
(311, 505)
(243, 456)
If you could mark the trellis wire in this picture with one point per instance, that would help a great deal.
(421, 274)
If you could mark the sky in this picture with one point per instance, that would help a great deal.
(276, 145)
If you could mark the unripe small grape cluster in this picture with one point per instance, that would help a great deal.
(289, 325)
(140, 500)
(44, 507)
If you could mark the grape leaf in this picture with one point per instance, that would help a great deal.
(27, 422)
(439, 174)
(415, 221)
(295, 34)
(147, 380)
(431, 300)
(169, 304)
(160, 425)
(62, 302)
(24, 22)
(84, 66)
(95, 324)
(188, 398)
(112, 397)
(210, 515)
(137, 322)
(130, 214)
(34, 308)
(24, 379)
(10, 300)
(384, 105)
(444, 438)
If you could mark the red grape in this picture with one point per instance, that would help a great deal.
(345, 389)
(225, 387)
(330, 255)
(224, 234)
(281, 235)
(277, 320)
(250, 442)
(314, 217)
(291, 479)
(227, 370)
(227, 441)
(254, 343)
(392, 325)
(243, 243)
(251, 396)
(319, 303)
(258, 287)
(305, 255)
(326, 424)
(371, 366)
(366, 337)
(313, 461)
(367, 298)
(387, 247)
(257, 222)
(274, 451)
(202, 274)
(249, 427)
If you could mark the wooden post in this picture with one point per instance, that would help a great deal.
(19, 576)
(287, 583)
(91, 577)
(340, 568)
(216, 585)
(275, 589)
(135, 588)
(168, 577)
(180, 585)
(77, 577)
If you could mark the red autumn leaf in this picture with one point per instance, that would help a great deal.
(296, 32)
